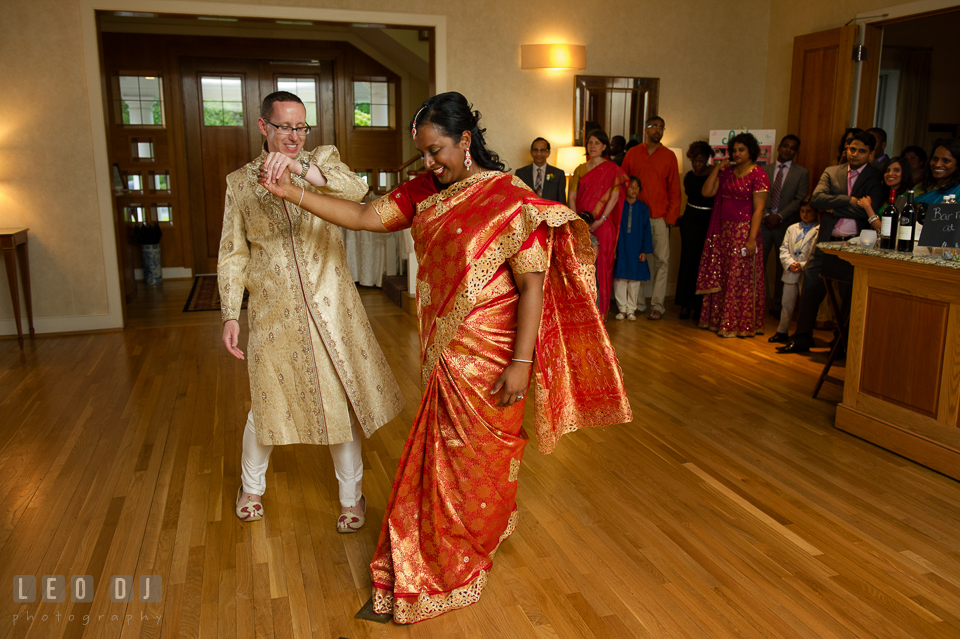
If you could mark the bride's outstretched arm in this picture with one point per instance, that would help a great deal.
(351, 215)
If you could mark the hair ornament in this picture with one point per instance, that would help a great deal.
(413, 130)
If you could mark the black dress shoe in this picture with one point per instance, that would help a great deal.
(793, 347)
(684, 313)
(779, 338)
(696, 315)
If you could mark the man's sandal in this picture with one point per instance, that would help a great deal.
(351, 523)
(250, 510)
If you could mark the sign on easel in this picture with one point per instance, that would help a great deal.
(941, 226)
(766, 138)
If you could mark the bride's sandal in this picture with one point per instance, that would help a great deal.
(250, 510)
(350, 522)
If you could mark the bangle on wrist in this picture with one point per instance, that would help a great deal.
(302, 191)
(525, 361)
(873, 219)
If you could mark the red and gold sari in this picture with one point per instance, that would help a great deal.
(454, 496)
(594, 189)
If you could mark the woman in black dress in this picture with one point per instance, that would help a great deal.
(693, 229)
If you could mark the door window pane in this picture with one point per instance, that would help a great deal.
(133, 181)
(163, 213)
(141, 100)
(160, 181)
(134, 213)
(306, 90)
(222, 99)
(372, 103)
(142, 149)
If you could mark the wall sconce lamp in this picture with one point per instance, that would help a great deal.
(553, 56)
(570, 157)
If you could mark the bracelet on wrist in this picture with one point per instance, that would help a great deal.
(525, 361)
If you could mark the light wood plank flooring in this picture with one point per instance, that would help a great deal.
(731, 507)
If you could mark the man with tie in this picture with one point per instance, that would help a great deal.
(547, 181)
(790, 184)
(841, 193)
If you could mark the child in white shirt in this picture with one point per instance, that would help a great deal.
(797, 246)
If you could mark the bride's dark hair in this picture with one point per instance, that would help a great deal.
(452, 115)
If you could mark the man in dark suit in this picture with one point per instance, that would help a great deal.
(547, 181)
(789, 184)
(839, 194)
(880, 157)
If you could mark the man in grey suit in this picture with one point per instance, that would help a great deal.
(547, 181)
(840, 194)
(789, 184)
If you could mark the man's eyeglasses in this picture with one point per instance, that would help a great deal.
(287, 130)
(656, 127)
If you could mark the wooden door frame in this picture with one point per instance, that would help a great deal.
(90, 37)
(864, 87)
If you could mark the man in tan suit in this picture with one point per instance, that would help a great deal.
(317, 374)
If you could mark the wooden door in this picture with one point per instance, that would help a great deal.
(821, 94)
(870, 77)
(221, 101)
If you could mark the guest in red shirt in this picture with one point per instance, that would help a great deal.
(656, 166)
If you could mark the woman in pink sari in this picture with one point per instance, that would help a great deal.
(598, 186)
(731, 269)
(504, 293)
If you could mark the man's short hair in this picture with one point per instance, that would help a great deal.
(878, 133)
(540, 140)
(266, 109)
(622, 139)
(867, 138)
(790, 136)
(656, 117)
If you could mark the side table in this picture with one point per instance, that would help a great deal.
(15, 240)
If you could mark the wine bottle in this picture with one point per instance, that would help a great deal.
(888, 223)
(908, 221)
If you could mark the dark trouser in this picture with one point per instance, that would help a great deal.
(815, 289)
(693, 234)
(772, 239)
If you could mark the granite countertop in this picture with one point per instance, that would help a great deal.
(921, 255)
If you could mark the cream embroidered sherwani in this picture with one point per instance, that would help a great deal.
(311, 353)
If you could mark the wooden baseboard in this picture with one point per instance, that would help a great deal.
(409, 303)
(922, 450)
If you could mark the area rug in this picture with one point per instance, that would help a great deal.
(205, 295)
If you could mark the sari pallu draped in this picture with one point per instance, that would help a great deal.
(454, 497)
(594, 190)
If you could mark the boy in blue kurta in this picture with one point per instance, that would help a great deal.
(634, 243)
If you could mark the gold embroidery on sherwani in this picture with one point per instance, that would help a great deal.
(327, 356)
(514, 470)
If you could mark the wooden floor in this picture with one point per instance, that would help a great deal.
(731, 507)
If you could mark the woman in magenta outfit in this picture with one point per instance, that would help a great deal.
(598, 187)
(731, 269)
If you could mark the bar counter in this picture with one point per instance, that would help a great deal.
(902, 384)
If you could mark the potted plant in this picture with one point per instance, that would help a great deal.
(148, 237)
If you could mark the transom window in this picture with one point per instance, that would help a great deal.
(141, 100)
(372, 102)
(306, 90)
(222, 99)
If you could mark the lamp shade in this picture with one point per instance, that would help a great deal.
(570, 157)
(553, 56)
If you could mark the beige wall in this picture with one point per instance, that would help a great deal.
(50, 179)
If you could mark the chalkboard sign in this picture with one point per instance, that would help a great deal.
(941, 226)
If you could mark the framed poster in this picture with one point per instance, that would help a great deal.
(767, 138)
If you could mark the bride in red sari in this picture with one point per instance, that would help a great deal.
(598, 186)
(504, 293)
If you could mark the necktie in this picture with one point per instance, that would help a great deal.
(538, 182)
(777, 184)
(851, 180)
